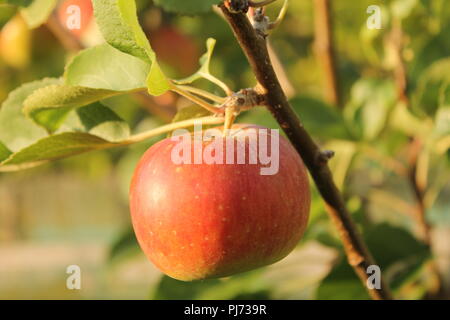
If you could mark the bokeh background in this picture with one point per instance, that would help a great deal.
(75, 211)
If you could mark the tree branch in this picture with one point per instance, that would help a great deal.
(255, 48)
(324, 48)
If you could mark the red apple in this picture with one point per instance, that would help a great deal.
(198, 221)
(75, 15)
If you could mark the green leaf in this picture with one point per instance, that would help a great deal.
(432, 88)
(54, 147)
(187, 7)
(119, 25)
(205, 61)
(49, 106)
(16, 130)
(249, 285)
(397, 251)
(118, 22)
(104, 67)
(157, 83)
(320, 119)
(22, 3)
(7, 12)
(125, 245)
(97, 127)
(442, 122)
(191, 112)
(371, 102)
(340, 163)
(341, 284)
(398, 254)
(98, 120)
(4, 152)
(403, 8)
(38, 12)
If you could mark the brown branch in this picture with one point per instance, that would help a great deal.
(324, 48)
(400, 74)
(255, 48)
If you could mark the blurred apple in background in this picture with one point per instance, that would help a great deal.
(175, 49)
(15, 43)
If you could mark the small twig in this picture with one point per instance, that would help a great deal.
(236, 6)
(325, 49)
(203, 93)
(170, 127)
(260, 4)
(218, 82)
(193, 98)
(255, 48)
(400, 74)
(281, 15)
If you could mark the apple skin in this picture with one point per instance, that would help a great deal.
(86, 11)
(199, 221)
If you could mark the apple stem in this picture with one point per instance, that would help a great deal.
(211, 120)
(203, 93)
(185, 93)
(255, 48)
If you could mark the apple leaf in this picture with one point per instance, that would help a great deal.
(48, 106)
(432, 87)
(118, 22)
(187, 7)
(396, 251)
(37, 12)
(16, 130)
(191, 112)
(98, 120)
(320, 119)
(104, 67)
(92, 127)
(339, 165)
(22, 3)
(125, 245)
(371, 102)
(247, 285)
(4, 152)
(205, 61)
(54, 147)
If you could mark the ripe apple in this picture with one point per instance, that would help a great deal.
(15, 43)
(198, 221)
(75, 15)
